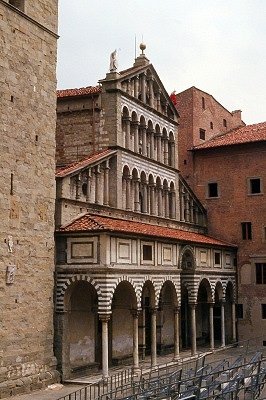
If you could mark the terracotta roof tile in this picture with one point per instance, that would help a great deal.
(79, 91)
(91, 222)
(64, 171)
(243, 134)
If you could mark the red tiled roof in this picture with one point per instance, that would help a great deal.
(64, 171)
(243, 134)
(79, 91)
(92, 222)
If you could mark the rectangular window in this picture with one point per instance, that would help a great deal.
(224, 123)
(260, 273)
(147, 252)
(202, 134)
(239, 311)
(203, 103)
(255, 186)
(211, 125)
(246, 230)
(213, 189)
(217, 258)
(263, 311)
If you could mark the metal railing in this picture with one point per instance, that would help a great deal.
(126, 384)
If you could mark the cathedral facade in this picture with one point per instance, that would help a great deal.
(136, 272)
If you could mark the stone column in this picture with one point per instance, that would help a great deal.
(78, 186)
(152, 202)
(88, 186)
(166, 152)
(97, 176)
(104, 319)
(144, 140)
(127, 131)
(151, 91)
(136, 195)
(153, 338)
(158, 101)
(193, 329)
(152, 144)
(160, 201)
(172, 155)
(135, 315)
(233, 322)
(145, 197)
(143, 332)
(222, 325)
(173, 205)
(106, 184)
(159, 148)
(143, 87)
(166, 204)
(211, 326)
(136, 136)
(187, 212)
(136, 86)
(176, 334)
(128, 194)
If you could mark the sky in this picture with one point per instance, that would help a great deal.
(219, 46)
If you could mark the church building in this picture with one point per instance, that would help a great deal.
(136, 272)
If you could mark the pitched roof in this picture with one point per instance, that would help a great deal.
(92, 222)
(79, 91)
(243, 134)
(93, 158)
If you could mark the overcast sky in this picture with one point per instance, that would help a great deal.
(218, 46)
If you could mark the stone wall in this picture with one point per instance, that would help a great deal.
(27, 109)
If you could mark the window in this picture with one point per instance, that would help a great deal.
(202, 134)
(255, 186)
(260, 273)
(211, 125)
(224, 123)
(246, 230)
(203, 103)
(213, 189)
(239, 311)
(263, 311)
(217, 258)
(147, 252)
(17, 3)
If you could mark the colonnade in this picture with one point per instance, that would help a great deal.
(148, 196)
(145, 88)
(93, 184)
(147, 139)
(189, 207)
(154, 311)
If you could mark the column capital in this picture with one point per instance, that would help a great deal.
(135, 313)
(177, 310)
(126, 118)
(135, 123)
(193, 304)
(104, 317)
(153, 310)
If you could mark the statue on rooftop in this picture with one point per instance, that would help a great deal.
(113, 61)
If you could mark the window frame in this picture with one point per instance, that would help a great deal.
(217, 190)
(252, 193)
(260, 271)
(148, 261)
(246, 230)
(202, 132)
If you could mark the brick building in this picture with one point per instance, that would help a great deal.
(136, 273)
(27, 109)
(226, 169)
